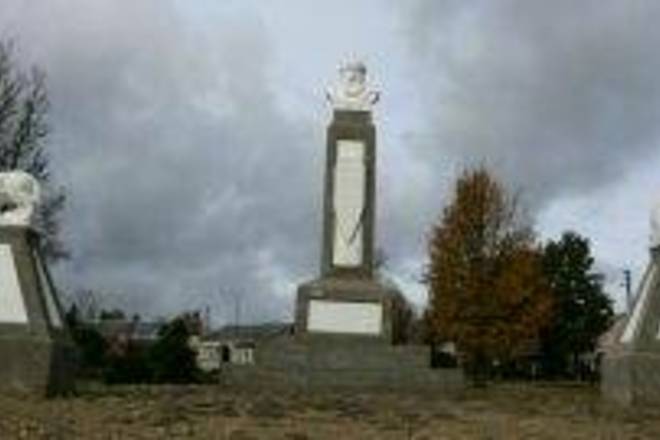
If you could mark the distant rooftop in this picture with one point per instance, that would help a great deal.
(251, 332)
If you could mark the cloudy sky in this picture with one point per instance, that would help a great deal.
(191, 134)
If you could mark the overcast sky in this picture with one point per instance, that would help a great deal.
(191, 134)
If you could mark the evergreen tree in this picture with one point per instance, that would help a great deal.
(91, 345)
(171, 358)
(582, 311)
(129, 364)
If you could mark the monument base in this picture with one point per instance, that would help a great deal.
(356, 307)
(324, 362)
(36, 349)
(35, 365)
(630, 367)
(631, 378)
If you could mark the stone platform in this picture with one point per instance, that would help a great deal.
(36, 364)
(328, 362)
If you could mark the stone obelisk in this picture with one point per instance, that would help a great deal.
(35, 347)
(348, 298)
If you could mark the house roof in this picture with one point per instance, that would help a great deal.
(137, 330)
(250, 332)
(146, 330)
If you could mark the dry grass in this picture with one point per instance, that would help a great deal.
(509, 411)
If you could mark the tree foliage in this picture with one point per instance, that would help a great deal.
(128, 365)
(582, 310)
(23, 132)
(112, 314)
(486, 286)
(171, 358)
(91, 345)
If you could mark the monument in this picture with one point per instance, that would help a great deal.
(631, 365)
(36, 350)
(350, 324)
(348, 298)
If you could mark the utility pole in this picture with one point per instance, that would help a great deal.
(207, 319)
(237, 305)
(234, 296)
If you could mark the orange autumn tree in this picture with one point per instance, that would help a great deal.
(486, 287)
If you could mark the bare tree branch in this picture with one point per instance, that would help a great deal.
(24, 130)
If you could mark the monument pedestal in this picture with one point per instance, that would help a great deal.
(37, 352)
(325, 362)
(360, 307)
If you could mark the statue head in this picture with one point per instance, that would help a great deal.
(19, 197)
(352, 91)
(353, 76)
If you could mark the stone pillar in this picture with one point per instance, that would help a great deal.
(349, 299)
(351, 126)
(35, 346)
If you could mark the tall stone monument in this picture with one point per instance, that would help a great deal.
(348, 298)
(631, 365)
(349, 329)
(36, 350)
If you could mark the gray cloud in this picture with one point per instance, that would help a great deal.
(186, 178)
(188, 175)
(560, 97)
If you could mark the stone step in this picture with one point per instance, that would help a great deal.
(341, 359)
(383, 380)
(333, 354)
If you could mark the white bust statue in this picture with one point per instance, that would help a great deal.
(655, 226)
(352, 91)
(19, 196)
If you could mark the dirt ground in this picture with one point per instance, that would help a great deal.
(504, 411)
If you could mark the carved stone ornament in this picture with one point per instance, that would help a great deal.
(352, 92)
(19, 197)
